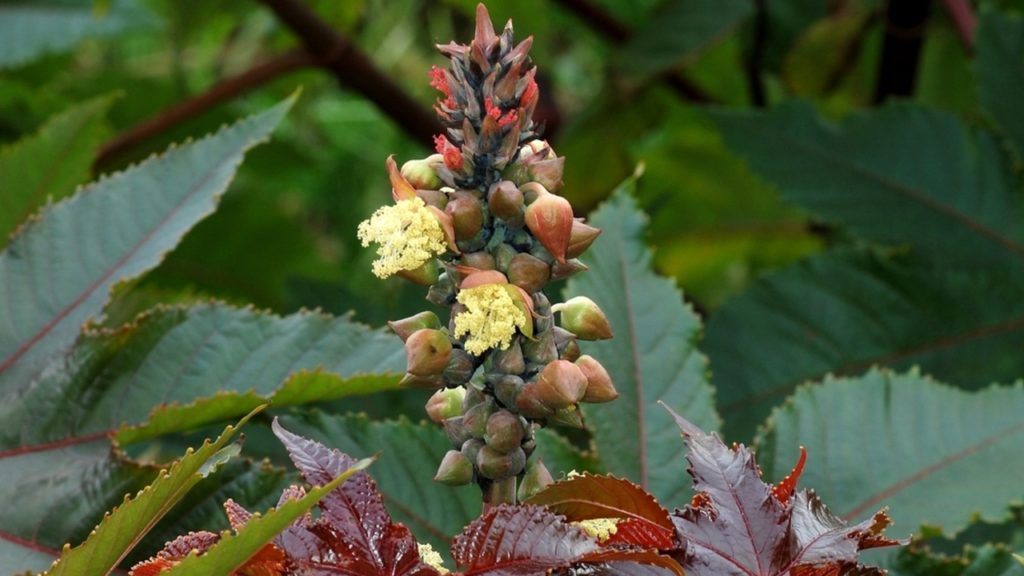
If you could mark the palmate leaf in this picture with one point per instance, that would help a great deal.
(176, 358)
(1000, 71)
(846, 310)
(652, 357)
(904, 441)
(356, 526)
(55, 274)
(902, 175)
(676, 31)
(738, 525)
(234, 550)
(589, 497)
(50, 163)
(519, 541)
(29, 30)
(126, 525)
(58, 271)
(409, 455)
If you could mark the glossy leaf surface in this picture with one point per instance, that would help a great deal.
(653, 356)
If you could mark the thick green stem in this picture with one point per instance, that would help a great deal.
(500, 492)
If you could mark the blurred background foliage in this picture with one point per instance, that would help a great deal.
(629, 86)
(286, 241)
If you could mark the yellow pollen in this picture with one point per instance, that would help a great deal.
(408, 235)
(600, 528)
(431, 558)
(491, 318)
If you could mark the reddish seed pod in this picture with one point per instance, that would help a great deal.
(561, 384)
(406, 326)
(427, 352)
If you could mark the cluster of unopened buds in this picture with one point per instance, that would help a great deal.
(480, 223)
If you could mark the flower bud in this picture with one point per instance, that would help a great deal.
(581, 238)
(431, 382)
(550, 219)
(582, 317)
(503, 256)
(506, 202)
(560, 384)
(541, 350)
(506, 389)
(475, 418)
(456, 431)
(548, 173)
(529, 403)
(427, 352)
(425, 275)
(436, 198)
(445, 403)
(442, 292)
(467, 215)
(406, 326)
(567, 269)
(509, 360)
(536, 479)
(478, 260)
(504, 431)
(455, 469)
(565, 343)
(568, 417)
(470, 448)
(599, 384)
(495, 465)
(422, 173)
(460, 367)
(472, 397)
(528, 272)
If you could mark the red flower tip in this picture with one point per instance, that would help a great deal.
(452, 155)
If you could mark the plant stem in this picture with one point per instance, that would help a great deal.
(222, 92)
(603, 22)
(355, 70)
(500, 492)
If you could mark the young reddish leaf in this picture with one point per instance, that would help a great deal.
(634, 533)
(587, 497)
(738, 525)
(628, 563)
(783, 491)
(821, 537)
(355, 529)
(519, 541)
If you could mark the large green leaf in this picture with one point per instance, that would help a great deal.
(50, 163)
(183, 367)
(678, 29)
(124, 527)
(1000, 66)
(58, 271)
(409, 455)
(31, 29)
(933, 454)
(986, 560)
(715, 224)
(653, 356)
(200, 364)
(847, 310)
(234, 550)
(900, 175)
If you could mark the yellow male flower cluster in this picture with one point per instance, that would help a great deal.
(491, 318)
(431, 558)
(408, 233)
(600, 528)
